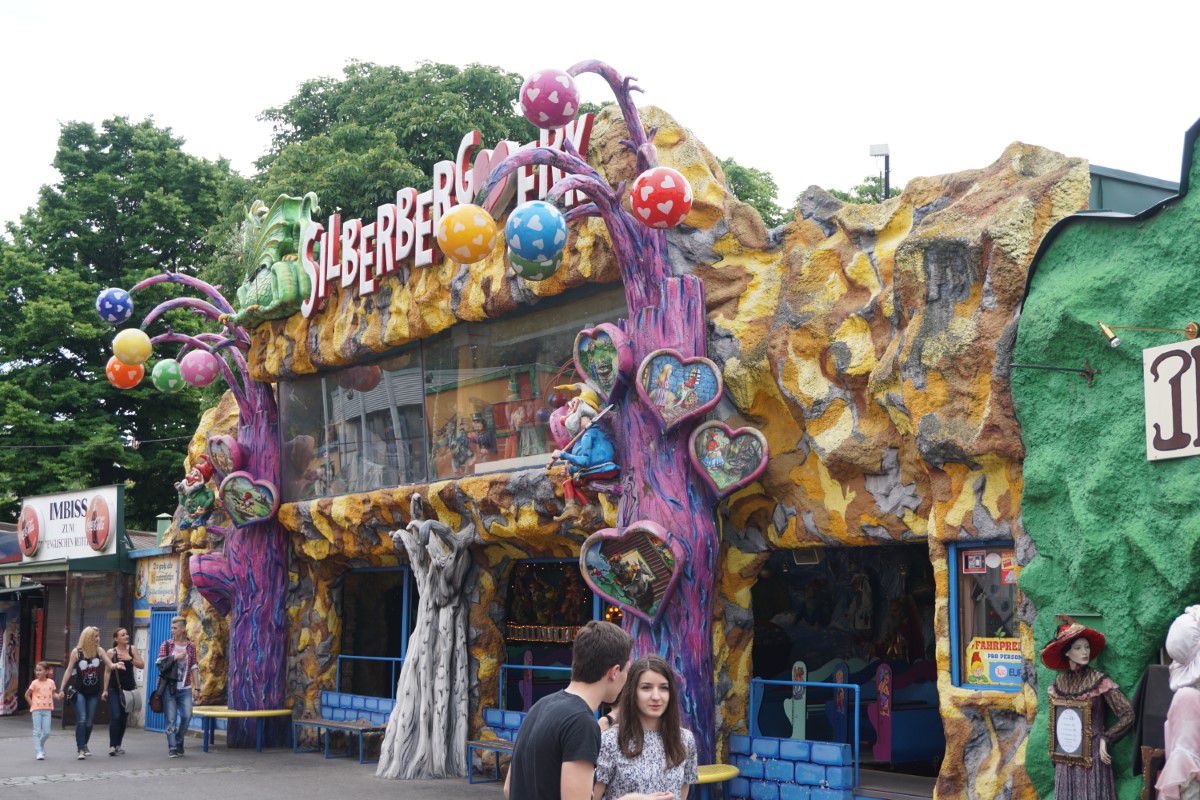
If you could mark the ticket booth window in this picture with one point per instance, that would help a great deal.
(987, 641)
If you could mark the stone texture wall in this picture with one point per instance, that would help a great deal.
(1117, 537)
(869, 343)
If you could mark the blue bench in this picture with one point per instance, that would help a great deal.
(353, 714)
(505, 725)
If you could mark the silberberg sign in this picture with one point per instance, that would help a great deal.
(404, 232)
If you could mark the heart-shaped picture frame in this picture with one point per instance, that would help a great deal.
(604, 357)
(636, 568)
(225, 455)
(248, 501)
(727, 458)
(678, 388)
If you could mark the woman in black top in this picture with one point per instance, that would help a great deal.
(125, 658)
(89, 661)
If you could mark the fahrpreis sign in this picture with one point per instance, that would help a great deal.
(355, 254)
(69, 525)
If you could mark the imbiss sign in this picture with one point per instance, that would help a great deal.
(69, 525)
(1172, 389)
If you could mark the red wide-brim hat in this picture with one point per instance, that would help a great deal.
(1054, 655)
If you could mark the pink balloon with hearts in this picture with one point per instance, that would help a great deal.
(199, 368)
(549, 98)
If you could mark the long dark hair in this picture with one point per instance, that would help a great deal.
(630, 736)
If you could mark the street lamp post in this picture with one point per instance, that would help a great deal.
(878, 150)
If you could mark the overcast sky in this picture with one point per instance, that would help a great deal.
(799, 89)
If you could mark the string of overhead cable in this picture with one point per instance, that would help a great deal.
(134, 444)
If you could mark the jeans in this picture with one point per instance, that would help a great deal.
(118, 716)
(41, 730)
(85, 717)
(177, 705)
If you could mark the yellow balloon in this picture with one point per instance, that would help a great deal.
(132, 346)
(467, 233)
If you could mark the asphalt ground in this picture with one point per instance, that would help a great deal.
(221, 774)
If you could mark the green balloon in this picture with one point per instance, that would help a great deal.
(534, 269)
(167, 377)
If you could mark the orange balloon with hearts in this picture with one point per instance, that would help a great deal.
(124, 376)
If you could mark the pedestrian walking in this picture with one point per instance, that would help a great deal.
(88, 673)
(649, 752)
(40, 698)
(125, 658)
(179, 673)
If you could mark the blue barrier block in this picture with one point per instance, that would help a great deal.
(493, 717)
(764, 747)
(386, 705)
(791, 791)
(372, 703)
(512, 719)
(751, 767)
(831, 754)
(832, 794)
(809, 774)
(358, 701)
(326, 697)
(795, 750)
(764, 790)
(777, 770)
(326, 711)
(739, 743)
(739, 789)
(839, 777)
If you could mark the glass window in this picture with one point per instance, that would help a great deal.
(487, 385)
(478, 393)
(989, 643)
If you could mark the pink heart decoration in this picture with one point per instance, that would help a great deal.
(635, 568)
(678, 388)
(725, 457)
(225, 454)
(248, 501)
(604, 357)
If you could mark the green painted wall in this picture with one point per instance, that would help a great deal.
(1116, 535)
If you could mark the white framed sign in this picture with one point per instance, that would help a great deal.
(71, 524)
(1170, 380)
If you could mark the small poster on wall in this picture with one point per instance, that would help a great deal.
(974, 562)
(994, 661)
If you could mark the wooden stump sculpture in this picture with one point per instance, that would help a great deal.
(426, 734)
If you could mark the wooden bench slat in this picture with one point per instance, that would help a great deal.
(341, 725)
(491, 744)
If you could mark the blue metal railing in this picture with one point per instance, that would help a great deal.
(395, 662)
(756, 693)
(523, 667)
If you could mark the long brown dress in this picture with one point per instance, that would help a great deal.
(1072, 782)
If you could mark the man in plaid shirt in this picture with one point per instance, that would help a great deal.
(177, 694)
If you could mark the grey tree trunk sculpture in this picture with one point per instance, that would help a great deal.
(426, 734)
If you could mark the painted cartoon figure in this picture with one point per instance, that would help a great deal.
(195, 496)
(687, 398)
(661, 395)
(714, 456)
(589, 454)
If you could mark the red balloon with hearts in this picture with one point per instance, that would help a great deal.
(661, 197)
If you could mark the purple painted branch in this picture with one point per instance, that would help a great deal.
(205, 288)
(581, 212)
(623, 89)
(197, 344)
(214, 579)
(194, 303)
(569, 163)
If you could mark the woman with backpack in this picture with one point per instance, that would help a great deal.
(87, 672)
(125, 658)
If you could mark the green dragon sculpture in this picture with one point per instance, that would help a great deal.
(276, 282)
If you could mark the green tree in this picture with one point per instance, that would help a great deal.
(869, 191)
(129, 203)
(356, 140)
(755, 187)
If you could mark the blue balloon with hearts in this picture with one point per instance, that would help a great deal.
(536, 231)
(114, 305)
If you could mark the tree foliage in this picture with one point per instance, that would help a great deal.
(869, 191)
(128, 204)
(755, 187)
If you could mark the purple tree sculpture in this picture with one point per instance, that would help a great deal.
(248, 580)
(657, 481)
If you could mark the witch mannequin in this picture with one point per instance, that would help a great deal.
(1071, 654)
(1180, 776)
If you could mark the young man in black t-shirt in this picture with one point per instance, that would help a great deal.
(555, 754)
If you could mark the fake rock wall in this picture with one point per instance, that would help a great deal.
(1116, 536)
